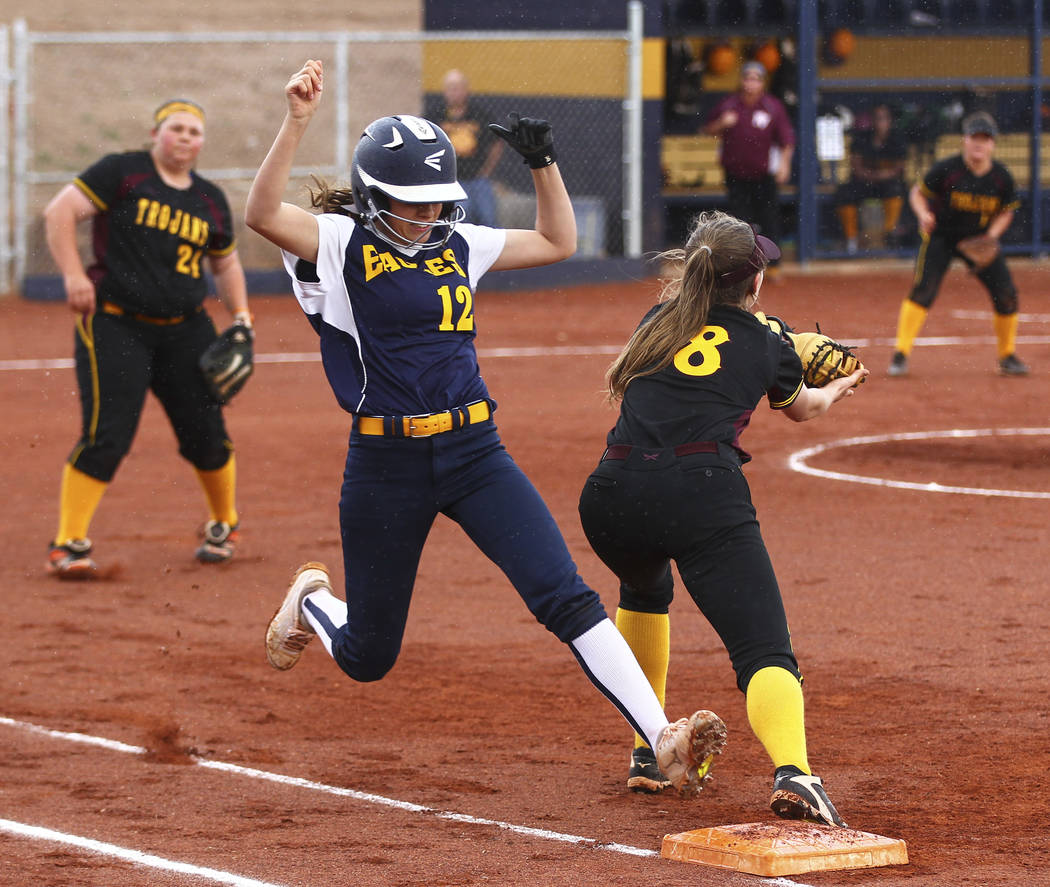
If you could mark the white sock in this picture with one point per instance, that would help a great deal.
(612, 668)
(332, 614)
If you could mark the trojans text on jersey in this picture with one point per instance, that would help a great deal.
(154, 214)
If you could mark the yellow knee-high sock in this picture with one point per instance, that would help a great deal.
(848, 219)
(220, 487)
(909, 323)
(649, 637)
(777, 715)
(1006, 333)
(891, 213)
(77, 503)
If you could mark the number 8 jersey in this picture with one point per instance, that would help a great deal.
(149, 238)
(397, 326)
(711, 388)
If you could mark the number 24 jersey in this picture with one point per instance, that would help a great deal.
(149, 238)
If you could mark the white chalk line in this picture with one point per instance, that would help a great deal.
(297, 782)
(148, 860)
(66, 363)
(797, 461)
(965, 314)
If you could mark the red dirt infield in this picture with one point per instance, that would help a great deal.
(917, 615)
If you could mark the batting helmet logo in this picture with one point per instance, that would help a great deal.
(411, 160)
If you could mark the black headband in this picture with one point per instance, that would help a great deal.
(764, 249)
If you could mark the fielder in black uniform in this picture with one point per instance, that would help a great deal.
(669, 487)
(141, 325)
(387, 274)
(967, 194)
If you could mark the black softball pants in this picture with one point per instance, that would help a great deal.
(936, 254)
(120, 359)
(756, 201)
(653, 507)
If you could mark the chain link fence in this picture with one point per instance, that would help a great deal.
(78, 96)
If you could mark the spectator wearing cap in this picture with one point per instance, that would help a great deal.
(964, 195)
(758, 143)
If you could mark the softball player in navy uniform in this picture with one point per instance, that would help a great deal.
(961, 196)
(669, 487)
(141, 324)
(387, 278)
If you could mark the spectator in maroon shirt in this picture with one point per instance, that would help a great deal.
(758, 142)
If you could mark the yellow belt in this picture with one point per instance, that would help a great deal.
(110, 308)
(424, 426)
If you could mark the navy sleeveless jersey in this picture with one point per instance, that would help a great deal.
(711, 388)
(397, 327)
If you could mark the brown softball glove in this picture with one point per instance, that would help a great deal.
(979, 249)
(824, 359)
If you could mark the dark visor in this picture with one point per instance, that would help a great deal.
(764, 249)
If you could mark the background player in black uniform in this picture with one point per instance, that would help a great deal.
(960, 196)
(141, 325)
(669, 487)
(387, 275)
(877, 157)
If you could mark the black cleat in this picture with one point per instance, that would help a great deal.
(645, 775)
(898, 364)
(1012, 365)
(71, 560)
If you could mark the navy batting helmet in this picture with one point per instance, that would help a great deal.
(411, 160)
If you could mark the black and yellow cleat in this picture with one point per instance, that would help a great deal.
(798, 795)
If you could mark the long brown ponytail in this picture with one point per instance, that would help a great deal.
(718, 245)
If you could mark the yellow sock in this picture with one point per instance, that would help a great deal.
(77, 503)
(777, 715)
(848, 219)
(1006, 333)
(891, 213)
(649, 637)
(909, 323)
(220, 487)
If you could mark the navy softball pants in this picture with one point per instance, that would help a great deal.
(641, 513)
(393, 490)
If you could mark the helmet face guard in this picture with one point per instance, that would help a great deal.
(411, 160)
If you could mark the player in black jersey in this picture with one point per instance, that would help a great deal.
(669, 487)
(141, 325)
(961, 196)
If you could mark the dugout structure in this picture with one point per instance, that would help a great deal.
(932, 61)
